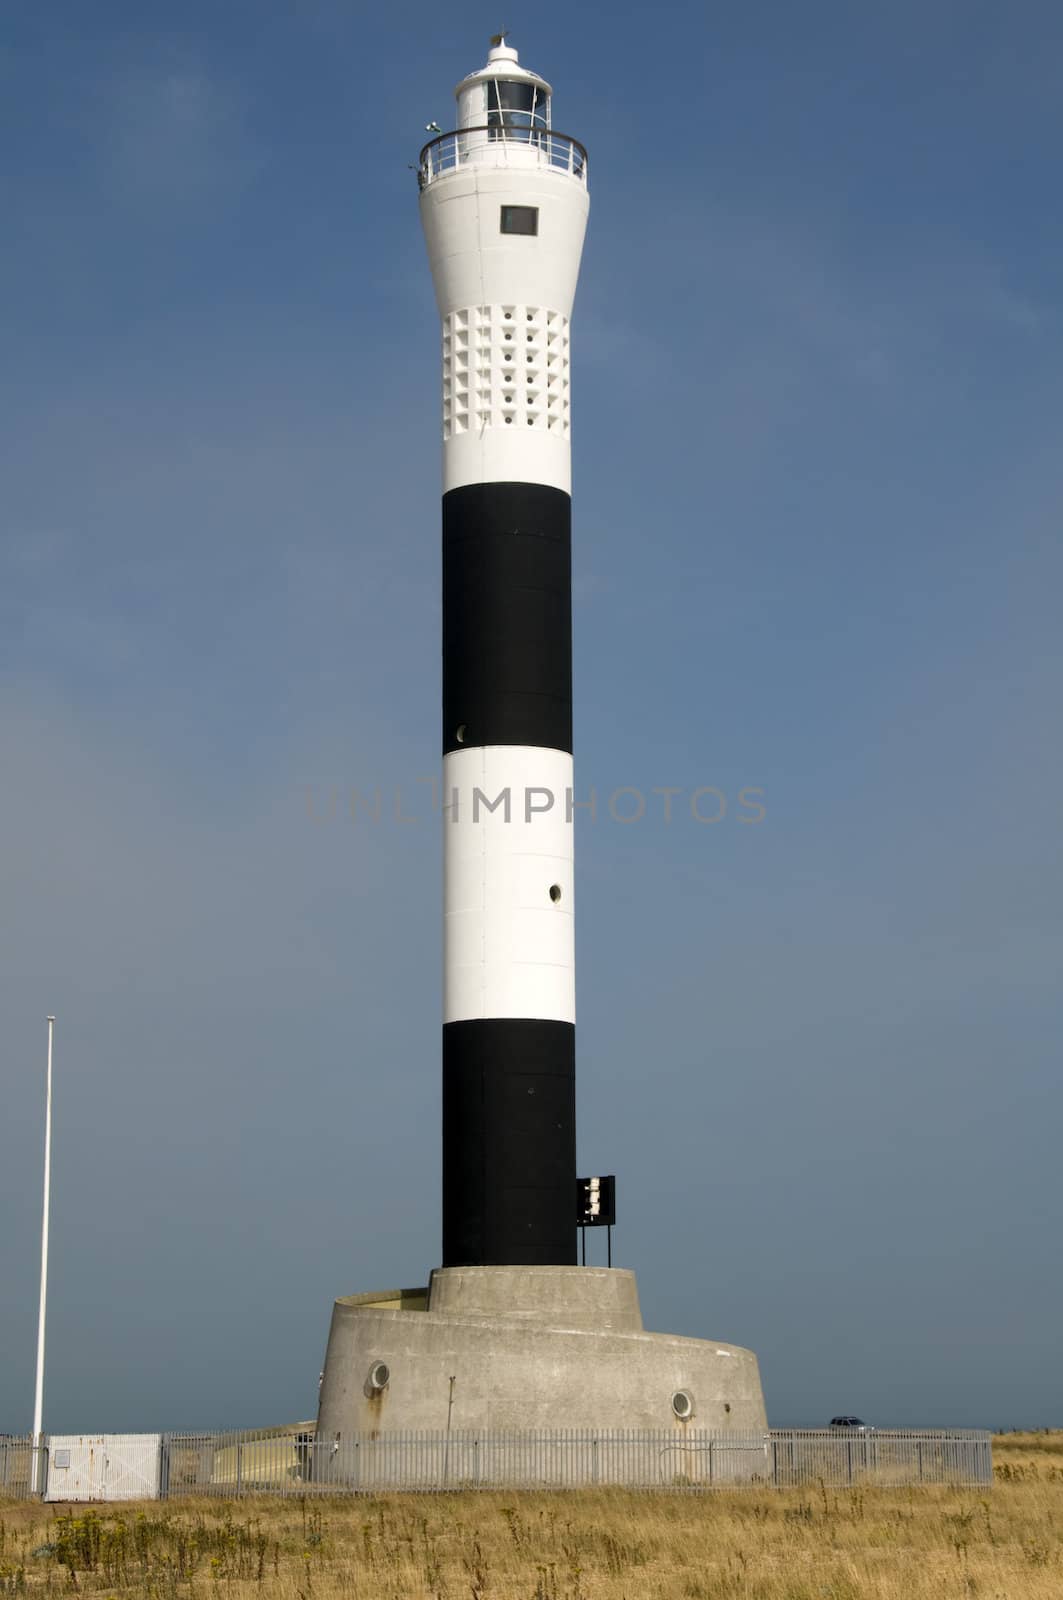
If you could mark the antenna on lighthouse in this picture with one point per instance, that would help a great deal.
(38, 1393)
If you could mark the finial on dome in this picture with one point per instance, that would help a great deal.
(500, 50)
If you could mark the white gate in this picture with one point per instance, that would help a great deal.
(104, 1466)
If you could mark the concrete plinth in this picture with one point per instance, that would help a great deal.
(503, 1348)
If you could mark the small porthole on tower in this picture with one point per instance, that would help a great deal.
(459, 733)
(555, 892)
(683, 1404)
(379, 1376)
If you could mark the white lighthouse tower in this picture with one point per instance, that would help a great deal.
(504, 207)
(511, 1333)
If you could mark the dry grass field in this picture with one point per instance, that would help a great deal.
(811, 1544)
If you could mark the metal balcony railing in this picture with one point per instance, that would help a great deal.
(500, 147)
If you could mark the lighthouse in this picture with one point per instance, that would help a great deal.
(504, 203)
(510, 1334)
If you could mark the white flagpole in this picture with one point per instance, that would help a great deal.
(38, 1396)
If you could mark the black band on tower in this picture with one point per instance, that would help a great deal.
(507, 616)
(509, 1143)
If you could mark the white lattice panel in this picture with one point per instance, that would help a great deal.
(505, 367)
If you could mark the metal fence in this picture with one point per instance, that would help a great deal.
(889, 1457)
(665, 1459)
(293, 1462)
(17, 1467)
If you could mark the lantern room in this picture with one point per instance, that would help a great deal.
(503, 121)
(503, 97)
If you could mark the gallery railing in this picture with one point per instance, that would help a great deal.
(500, 147)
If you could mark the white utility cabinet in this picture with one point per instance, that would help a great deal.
(104, 1466)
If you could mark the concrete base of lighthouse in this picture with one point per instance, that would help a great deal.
(525, 1348)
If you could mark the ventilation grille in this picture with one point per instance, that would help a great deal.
(505, 367)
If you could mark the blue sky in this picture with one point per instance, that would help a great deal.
(818, 394)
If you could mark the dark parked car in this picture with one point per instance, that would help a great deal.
(853, 1424)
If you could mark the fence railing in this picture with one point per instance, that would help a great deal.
(568, 1458)
(889, 1457)
(292, 1462)
(17, 1467)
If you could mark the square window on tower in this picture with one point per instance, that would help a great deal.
(520, 219)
